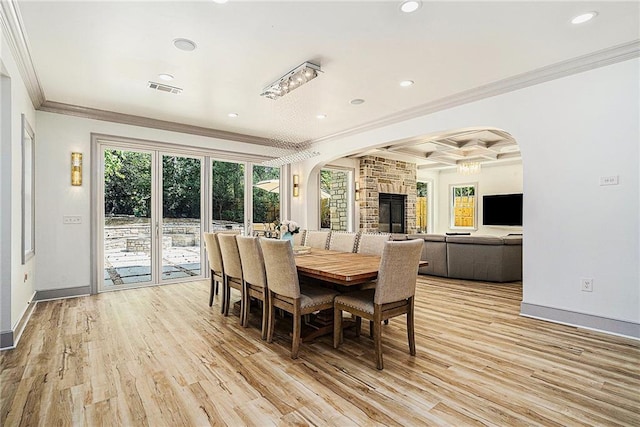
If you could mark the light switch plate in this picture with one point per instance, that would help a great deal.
(72, 219)
(609, 180)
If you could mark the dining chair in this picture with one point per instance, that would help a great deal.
(215, 263)
(232, 272)
(317, 239)
(284, 290)
(254, 278)
(342, 241)
(298, 238)
(372, 243)
(393, 295)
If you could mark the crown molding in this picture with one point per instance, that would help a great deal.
(128, 119)
(13, 30)
(569, 67)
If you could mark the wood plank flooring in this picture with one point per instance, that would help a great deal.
(162, 357)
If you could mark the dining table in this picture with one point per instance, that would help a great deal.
(324, 267)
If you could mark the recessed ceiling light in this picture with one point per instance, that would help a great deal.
(184, 44)
(233, 115)
(409, 6)
(220, 1)
(321, 116)
(166, 77)
(406, 83)
(581, 19)
(356, 101)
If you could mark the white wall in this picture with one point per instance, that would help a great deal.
(573, 227)
(67, 247)
(503, 179)
(15, 291)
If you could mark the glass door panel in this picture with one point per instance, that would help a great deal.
(181, 217)
(266, 199)
(128, 239)
(227, 202)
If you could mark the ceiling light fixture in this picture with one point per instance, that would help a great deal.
(356, 101)
(469, 168)
(406, 83)
(321, 116)
(233, 115)
(184, 44)
(295, 78)
(298, 156)
(581, 19)
(409, 6)
(220, 1)
(165, 77)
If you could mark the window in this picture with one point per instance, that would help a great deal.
(422, 207)
(463, 206)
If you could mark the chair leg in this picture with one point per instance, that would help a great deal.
(377, 336)
(386, 321)
(297, 324)
(223, 301)
(410, 329)
(265, 310)
(371, 328)
(272, 319)
(337, 327)
(244, 305)
(358, 325)
(213, 289)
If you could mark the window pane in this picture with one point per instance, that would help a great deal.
(266, 195)
(227, 202)
(421, 207)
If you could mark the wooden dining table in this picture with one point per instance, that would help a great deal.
(345, 269)
(339, 268)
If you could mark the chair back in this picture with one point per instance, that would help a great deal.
(298, 238)
(372, 243)
(317, 239)
(398, 271)
(252, 261)
(342, 241)
(213, 252)
(230, 255)
(280, 266)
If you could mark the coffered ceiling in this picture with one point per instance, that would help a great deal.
(96, 58)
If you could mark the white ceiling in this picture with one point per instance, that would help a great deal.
(101, 55)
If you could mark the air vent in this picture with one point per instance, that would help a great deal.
(164, 88)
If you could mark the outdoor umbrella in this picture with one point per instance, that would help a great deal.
(273, 186)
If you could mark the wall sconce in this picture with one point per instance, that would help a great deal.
(296, 185)
(357, 191)
(76, 169)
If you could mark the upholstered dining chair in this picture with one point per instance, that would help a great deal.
(254, 278)
(372, 243)
(285, 292)
(232, 272)
(342, 241)
(393, 295)
(298, 238)
(215, 263)
(317, 239)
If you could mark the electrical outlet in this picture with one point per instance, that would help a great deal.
(72, 219)
(586, 285)
(609, 180)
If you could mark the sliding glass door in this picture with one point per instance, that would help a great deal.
(151, 216)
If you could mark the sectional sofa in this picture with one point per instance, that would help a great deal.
(473, 257)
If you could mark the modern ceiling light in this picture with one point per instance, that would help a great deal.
(409, 6)
(321, 116)
(469, 168)
(165, 77)
(184, 44)
(356, 101)
(581, 19)
(406, 83)
(220, 1)
(233, 115)
(295, 78)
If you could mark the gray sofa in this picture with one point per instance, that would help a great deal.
(488, 258)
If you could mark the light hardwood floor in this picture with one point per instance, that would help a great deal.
(161, 356)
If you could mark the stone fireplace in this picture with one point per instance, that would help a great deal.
(392, 177)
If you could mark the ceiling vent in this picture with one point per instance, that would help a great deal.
(164, 88)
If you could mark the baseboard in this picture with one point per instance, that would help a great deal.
(587, 321)
(9, 339)
(62, 293)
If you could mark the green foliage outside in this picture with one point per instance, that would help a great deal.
(326, 176)
(228, 191)
(266, 204)
(127, 176)
(180, 187)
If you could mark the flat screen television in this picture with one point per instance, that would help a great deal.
(502, 209)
